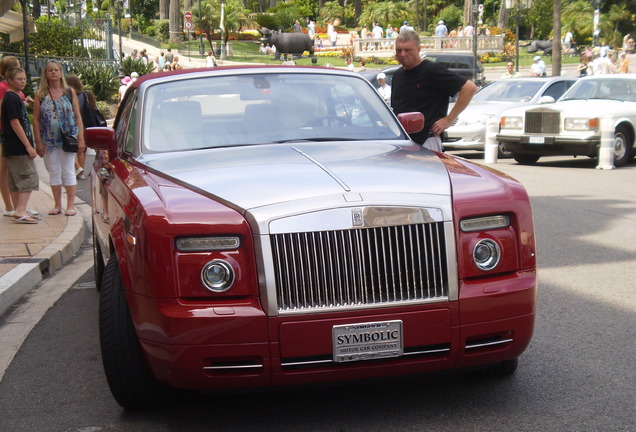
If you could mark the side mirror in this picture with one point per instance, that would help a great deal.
(101, 138)
(412, 122)
(546, 100)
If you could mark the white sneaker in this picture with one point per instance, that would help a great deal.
(79, 171)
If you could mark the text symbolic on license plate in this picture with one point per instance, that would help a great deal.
(536, 140)
(367, 341)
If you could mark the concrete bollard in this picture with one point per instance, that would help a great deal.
(491, 146)
(606, 152)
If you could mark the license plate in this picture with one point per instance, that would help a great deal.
(536, 140)
(367, 341)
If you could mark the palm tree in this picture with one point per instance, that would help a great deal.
(384, 12)
(175, 21)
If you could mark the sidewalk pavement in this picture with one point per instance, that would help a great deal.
(29, 253)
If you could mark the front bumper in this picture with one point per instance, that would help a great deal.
(236, 345)
(551, 145)
(464, 138)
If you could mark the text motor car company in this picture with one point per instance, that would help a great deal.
(275, 226)
(573, 125)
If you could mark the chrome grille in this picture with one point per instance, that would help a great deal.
(542, 122)
(357, 267)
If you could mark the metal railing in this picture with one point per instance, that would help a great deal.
(386, 46)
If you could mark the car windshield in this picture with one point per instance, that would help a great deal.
(613, 88)
(507, 90)
(248, 109)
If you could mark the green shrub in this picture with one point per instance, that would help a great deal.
(100, 78)
(162, 29)
(130, 65)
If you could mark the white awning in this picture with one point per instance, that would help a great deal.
(11, 22)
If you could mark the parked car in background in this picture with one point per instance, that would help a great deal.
(371, 75)
(462, 63)
(275, 226)
(468, 132)
(572, 126)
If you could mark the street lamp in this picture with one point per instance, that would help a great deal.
(200, 31)
(222, 25)
(517, 5)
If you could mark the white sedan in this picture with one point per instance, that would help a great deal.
(468, 132)
(572, 126)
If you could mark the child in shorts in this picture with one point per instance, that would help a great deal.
(17, 147)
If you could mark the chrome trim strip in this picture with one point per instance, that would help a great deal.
(433, 351)
(328, 309)
(258, 366)
(317, 362)
(486, 344)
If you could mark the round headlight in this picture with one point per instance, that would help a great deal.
(486, 254)
(217, 275)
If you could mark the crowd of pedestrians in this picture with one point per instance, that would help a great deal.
(56, 134)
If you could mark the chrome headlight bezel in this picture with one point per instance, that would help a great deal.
(486, 254)
(218, 276)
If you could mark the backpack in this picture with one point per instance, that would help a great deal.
(90, 117)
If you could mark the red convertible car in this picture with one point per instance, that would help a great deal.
(275, 226)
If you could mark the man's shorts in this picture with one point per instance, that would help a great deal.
(23, 177)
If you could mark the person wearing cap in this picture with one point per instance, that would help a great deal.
(384, 89)
(133, 77)
(441, 30)
(538, 67)
(425, 86)
(406, 26)
(123, 87)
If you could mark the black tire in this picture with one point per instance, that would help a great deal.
(502, 153)
(505, 368)
(98, 262)
(526, 159)
(622, 147)
(128, 376)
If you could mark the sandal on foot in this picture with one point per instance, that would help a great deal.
(25, 220)
(55, 211)
(70, 213)
(8, 213)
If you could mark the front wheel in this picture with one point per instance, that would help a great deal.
(622, 147)
(525, 159)
(128, 376)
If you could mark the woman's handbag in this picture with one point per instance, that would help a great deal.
(69, 143)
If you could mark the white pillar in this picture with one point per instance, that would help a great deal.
(491, 146)
(606, 152)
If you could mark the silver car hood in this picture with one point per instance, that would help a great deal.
(278, 180)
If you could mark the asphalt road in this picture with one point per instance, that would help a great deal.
(577, 375)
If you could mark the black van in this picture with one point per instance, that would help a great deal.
(462, 63)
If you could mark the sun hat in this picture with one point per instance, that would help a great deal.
(125, 80)
(381, 75)
(440, 22)
(536, 58)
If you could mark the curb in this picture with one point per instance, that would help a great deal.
(23, 278)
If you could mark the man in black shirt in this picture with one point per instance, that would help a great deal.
(425, 86)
